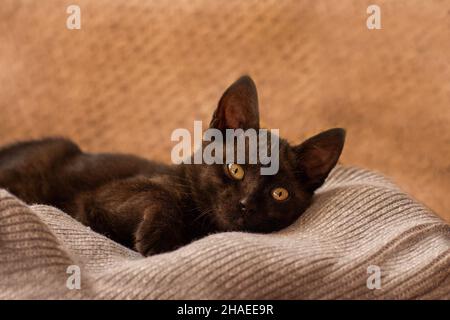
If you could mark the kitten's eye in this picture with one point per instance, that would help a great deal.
(235, 171)
(280, 194)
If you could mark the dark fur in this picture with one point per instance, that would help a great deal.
(154, 207)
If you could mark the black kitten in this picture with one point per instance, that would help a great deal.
(154, 207)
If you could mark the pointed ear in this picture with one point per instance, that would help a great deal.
(238, 107)
(318, 155)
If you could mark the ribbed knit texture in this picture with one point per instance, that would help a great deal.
(357, 219)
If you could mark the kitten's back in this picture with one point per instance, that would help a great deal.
(54, 170)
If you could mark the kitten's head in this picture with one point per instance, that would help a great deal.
(238, 197)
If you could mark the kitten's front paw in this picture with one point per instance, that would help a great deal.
(150, 239)
(144, 247)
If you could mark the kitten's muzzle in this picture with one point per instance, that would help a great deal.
(243, 206)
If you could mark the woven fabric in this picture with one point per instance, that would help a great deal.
(358, 219)
(138, 69)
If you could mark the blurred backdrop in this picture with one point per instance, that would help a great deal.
(139, 69)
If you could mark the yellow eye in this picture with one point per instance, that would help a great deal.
(235, 171)
(280, 194)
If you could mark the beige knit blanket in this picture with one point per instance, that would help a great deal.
(358, 221)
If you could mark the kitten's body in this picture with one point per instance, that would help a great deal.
(154, 207)
(96, 188)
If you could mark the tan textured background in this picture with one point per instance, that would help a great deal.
(139, 69)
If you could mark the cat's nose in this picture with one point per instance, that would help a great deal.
(243, 205)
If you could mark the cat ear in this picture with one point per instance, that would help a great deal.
(238, 107)
(318, 155)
